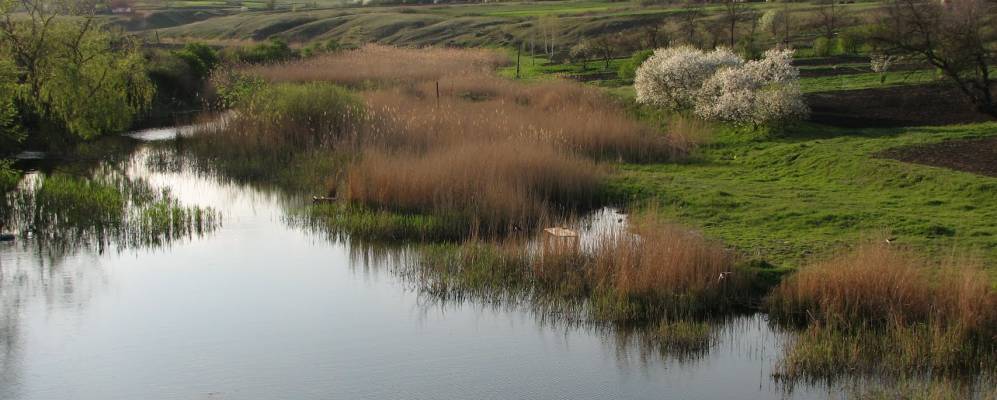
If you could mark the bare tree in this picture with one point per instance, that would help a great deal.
(828, 12)
(688, 24)
(604, 46)
(734, 11)
(549, 29)
(954, 36)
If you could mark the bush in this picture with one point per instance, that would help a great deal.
(721, 86)
(673, 76)
(848, 42)
(274, 50)
(759, 92)
(822, 47)
(628, 70)
(201, 59)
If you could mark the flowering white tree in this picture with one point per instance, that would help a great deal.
(673, 76)
(719, 85)
(758, 92)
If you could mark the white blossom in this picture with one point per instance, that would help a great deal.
(673, 76)
(758, 92)
(719, 85)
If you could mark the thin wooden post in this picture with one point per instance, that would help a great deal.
(518, 51)
(437, 94)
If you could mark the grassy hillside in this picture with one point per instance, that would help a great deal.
(485, 24)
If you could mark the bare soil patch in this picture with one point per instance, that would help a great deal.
(978, 156)
(896, 106)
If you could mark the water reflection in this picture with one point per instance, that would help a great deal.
(270, 306)
(62, 213)
(33, 285)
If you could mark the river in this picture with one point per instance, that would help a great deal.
(262, 308)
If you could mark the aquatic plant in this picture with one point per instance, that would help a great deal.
(653, 272)
(64, 212)
(493, 187)
(881, 308)
(274, 126)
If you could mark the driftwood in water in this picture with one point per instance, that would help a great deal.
(7, 237)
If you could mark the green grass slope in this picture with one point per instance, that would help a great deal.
(820, 188)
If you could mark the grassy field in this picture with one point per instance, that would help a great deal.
(485, 24)
(819, 188)
(811, 189)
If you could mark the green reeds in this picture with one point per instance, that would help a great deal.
(63, 212)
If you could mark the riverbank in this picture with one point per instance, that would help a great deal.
(443, 152)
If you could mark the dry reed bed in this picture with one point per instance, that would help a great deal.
(376, 64)
(885, 309)
(654, 271)
(572, 118)
(443, 135)
(880, 284)
(494, 186)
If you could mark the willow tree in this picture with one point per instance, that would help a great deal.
(70, 70)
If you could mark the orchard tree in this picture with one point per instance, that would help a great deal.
(70, 71)
(719, 85)
(955, 36)
(672, 77)
(765, 91)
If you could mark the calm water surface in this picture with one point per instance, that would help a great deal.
(261, 309)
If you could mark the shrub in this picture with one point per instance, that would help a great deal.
(721, 86)
(673, 76)
(8, 176)
(758, 92)
(628, 70)
(822, 46)
(848, 42)
(271, 51)
(201, 59)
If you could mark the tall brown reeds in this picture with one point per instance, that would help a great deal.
(495, 185)
(881, 308)
(376, 64)
(440, 134)
(880, 284)
(674, 271)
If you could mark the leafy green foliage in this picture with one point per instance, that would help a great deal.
(73, 74)
(8, 177)
(10, 129)
(274, 50)
(822, 47)
(628, 69)
(201, 58)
